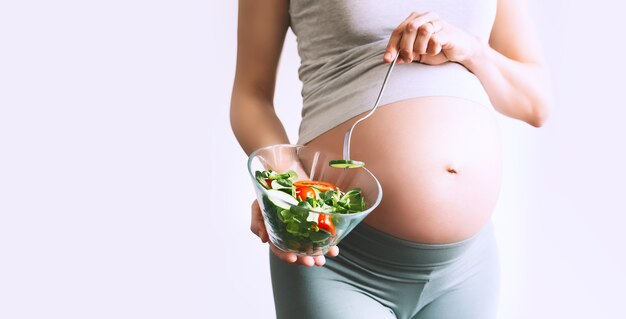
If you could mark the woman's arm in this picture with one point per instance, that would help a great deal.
(261, 32)
(512, 67)
(260, 36)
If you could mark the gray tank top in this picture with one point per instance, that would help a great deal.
(341, 45)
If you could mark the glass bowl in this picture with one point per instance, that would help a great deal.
(306, 239)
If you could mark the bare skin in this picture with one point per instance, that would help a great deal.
(440, 176)
(456, 185)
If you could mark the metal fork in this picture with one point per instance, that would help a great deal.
(346, 141)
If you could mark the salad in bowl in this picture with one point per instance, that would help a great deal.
(307, 205)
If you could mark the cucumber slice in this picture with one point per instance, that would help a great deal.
(312, 217)
(281, 199)
(277, 185)
(346, 163)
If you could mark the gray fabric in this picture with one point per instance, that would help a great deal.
(379, 276)
(341, 44)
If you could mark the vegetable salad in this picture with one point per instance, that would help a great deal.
(291, 210)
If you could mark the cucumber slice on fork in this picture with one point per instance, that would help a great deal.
(346, 163)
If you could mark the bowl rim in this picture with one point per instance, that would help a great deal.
(264, 191)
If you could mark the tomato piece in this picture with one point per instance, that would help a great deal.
(321, 186)
(303, 192)
(324, 222)
(268, 182)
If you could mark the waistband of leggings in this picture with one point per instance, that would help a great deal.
(375, 244)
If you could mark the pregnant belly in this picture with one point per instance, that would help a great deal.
(438, 161)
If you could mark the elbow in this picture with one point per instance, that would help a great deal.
(538, 117)
(531, 113)
(540, 111)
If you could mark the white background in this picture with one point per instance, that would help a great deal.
(123, 193)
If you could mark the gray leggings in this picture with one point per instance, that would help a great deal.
(380, 276)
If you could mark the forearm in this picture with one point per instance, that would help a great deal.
(254, 122)
(516, 89)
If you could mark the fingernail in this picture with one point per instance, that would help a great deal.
(388, 56)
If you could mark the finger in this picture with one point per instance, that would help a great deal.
(424, 33)
(394, 40)
(441, 38)
(261, 230)
(420, 19)
(319, 260)
(284, 256)
(437, 24)
(424, 30)
(392, 46)
(264, 236)
(257, 225)
(333, 251)
(254, 210)
(434, 59)
(306, 261)
(433, 46)
(407, 42)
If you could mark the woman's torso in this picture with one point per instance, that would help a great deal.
(434, 142)
(438, 162)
